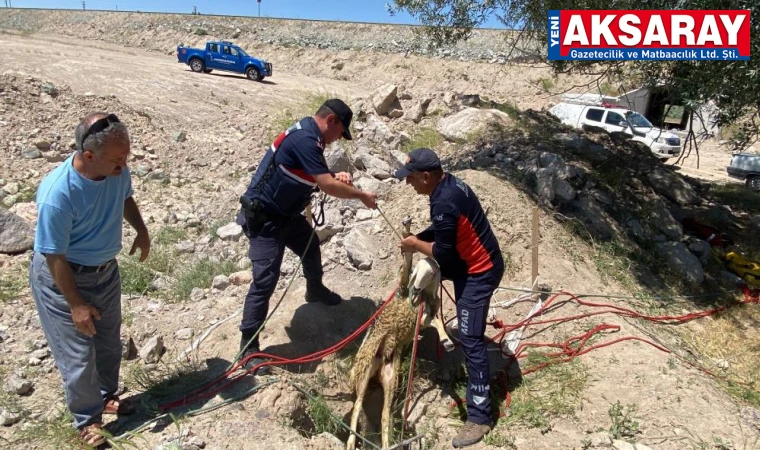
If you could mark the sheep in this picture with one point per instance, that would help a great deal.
(385, 342)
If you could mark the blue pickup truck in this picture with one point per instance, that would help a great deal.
(223, 55)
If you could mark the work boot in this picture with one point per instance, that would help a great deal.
(471, 433)
(317, 292)
(253, 347)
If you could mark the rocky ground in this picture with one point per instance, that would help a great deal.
(610, 224)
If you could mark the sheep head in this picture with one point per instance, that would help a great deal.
(426, 276)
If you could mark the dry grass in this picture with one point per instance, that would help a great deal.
(732, 338)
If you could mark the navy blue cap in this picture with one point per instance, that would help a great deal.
(420, 160)
(343, 113)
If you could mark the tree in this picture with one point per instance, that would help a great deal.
(733, 86)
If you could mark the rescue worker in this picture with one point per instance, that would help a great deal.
(460, 239)
(292, 169)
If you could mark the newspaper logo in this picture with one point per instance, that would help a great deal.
(649, 35)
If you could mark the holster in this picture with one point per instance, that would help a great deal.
(252, 216)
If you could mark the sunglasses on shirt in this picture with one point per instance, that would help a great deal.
(100, 125)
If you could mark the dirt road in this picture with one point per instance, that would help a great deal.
(157, 84)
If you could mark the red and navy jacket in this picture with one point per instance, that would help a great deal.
(464, 243)
(284, 180)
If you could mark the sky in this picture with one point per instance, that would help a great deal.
(348, 10)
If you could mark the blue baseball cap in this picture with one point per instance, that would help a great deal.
(420, 160)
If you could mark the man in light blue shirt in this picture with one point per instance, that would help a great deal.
(74, 275)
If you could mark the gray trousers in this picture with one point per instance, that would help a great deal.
(89, 366)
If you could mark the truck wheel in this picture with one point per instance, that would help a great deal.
(754, 183)
(253, 74)
(196, 65)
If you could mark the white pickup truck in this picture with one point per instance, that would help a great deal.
(664, 144)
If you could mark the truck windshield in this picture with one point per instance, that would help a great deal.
(242, 52)
(638, 121)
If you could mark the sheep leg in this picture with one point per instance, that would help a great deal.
(389, 380)
(361, 391)
(431, 316)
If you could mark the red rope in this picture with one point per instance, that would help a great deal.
(567, 353)
(577, 345)
(410, 384)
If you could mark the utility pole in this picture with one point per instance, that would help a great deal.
(259, 2)
(83, 8)
(195, 10)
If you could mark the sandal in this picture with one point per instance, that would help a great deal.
(91, 435)
(114, 406)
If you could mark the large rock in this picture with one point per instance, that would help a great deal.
(16, 234)
(372, 185)
(418, 111)
(563, 191)
(230, 232)
(376, 131)
(584, 148)
(31, 153)
(360, 248)
(184, 334)
(384, 97)
(358, 106)
(9, 417)
(471, 120)
(42, 145)
(17, 385)
(372, 164)
(555, 163)
(241, 278)
(129, 350)
(701, 250)
(49, 89)
(220, 282)
(672, 186)
(552, 189)
(53, 156)
(27, 211)
(593, 217)
(396, 111)
(332, 226)
(682, 261)
(337, 161)
(663, 220)
(545, 185)
(152, 351)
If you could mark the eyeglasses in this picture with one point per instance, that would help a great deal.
(100, 125)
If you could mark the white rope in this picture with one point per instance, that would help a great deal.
(196, 343)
